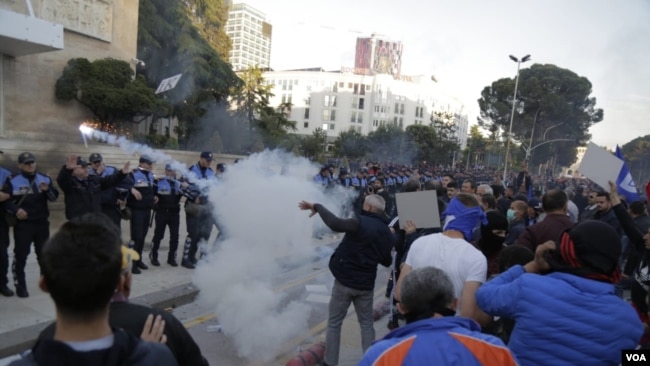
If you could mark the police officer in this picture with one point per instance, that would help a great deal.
(111, 197)
(4, 238)
(30, 191)
(198, 211)
(82, 191)
(167, 213)
(141, 201)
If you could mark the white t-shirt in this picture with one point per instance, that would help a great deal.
(460, 260)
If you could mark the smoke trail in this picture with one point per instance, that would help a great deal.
(256, 203)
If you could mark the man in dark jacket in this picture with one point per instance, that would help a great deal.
(556, 221)
(81, 267)
(604, 212)
(141, 201)
(132, 318)
(83, 191)
(367, 242)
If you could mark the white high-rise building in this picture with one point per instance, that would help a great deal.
(251, 37)
(343, 100)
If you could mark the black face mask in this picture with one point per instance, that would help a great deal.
(489, 242)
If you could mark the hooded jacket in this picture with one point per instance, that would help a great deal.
(127, 350)
(439, 341)
(562, 319)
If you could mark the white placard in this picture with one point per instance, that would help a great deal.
(420, 207)
(168, 84)
(600, 166)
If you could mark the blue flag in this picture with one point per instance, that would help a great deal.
(624, 182)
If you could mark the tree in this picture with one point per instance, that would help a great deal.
(351, 144)
(251, 98)
(210, 17)
(274, 125)
(476, 143)
(552, 103)
(423, 139)
(107, 88)
(171, 42)
(314, 146)
(637, 154)
(444, 124)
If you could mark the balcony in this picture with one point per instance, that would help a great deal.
(22, 34)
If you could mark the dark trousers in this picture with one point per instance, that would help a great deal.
(113, 213)
(26, 233)
(164, 218)
(198, 228)
(139, 227)
(4, 248)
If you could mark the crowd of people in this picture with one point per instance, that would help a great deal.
(528, 271)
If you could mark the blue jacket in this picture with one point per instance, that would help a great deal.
(561, 319)
(440, 342)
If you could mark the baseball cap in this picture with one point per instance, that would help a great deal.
(81, 161)
(535, 203)
(206, 155)
(221, 167)
(26, 157)
(168, 167)
(128, 255)
(95, 157)
(146, 159)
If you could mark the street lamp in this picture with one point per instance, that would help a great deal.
(512, 114)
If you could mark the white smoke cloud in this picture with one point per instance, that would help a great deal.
(257, 205)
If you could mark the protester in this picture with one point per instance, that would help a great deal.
(81, 267)
(367, 242)
(570, 314)
(433, 335)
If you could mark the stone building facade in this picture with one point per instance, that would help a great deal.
(92, 29)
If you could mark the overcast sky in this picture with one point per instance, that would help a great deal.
(466, 43)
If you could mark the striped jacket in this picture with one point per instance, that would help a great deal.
(440, 342)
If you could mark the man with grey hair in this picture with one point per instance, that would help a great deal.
(484, 189)
(433, 335)
(367, 242)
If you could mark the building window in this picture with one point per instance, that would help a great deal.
(395, 121)
(368, 87)
(401, 109)
(341, 84)
(286, 98)
(325, 126)
(329, 100)
(335, 87)
(349, 85)
(331, 126)
(361, 103)
(401, 122)
(329, 114)
(377, 108)
(396, 108)
(308, 101)
(356, 89)
(356, 117)
(375, 123)
(305, 125)
(306, 113)
(362, 91)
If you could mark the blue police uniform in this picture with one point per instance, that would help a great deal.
(25, 189)
(169, 193)
(144, 182)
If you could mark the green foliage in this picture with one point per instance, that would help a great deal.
(547, 96)
(157, 141)
(476, 143)
(423, 139)
(274, 125)
(107, 88)
(171, 41)
(313, 147)
(637, 154)
(351, 144)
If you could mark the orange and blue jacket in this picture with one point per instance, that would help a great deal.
(440, 342)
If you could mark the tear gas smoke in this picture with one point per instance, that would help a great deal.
(256, 203)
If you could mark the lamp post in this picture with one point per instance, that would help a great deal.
(512, 113)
